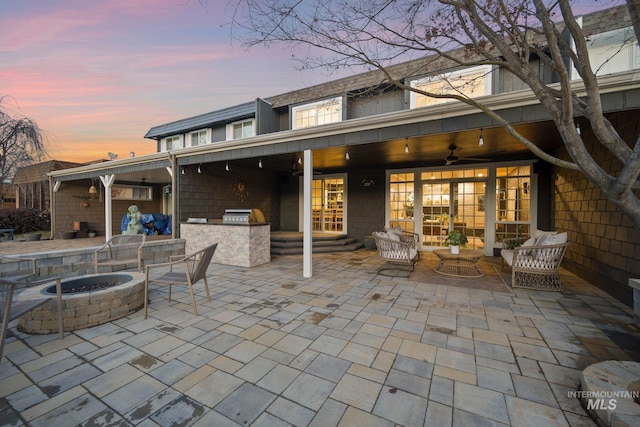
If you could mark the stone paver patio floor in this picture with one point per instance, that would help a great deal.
(344, 348)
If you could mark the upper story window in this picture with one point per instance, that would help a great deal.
(173, 143)
(240, 130)
(613, 52)
(471, 82)
(317, 113)
(198, 138)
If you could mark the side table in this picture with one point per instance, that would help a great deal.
(459, 265)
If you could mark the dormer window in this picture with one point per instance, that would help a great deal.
(240, 130)
(471, 82)
(317, 113)
(613, 52)
(198, 138)
(173, 143)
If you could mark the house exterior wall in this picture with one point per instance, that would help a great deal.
(604, 245)
(209, 193)
(366, 205)
(375, 103)
(290, 202)
(68, 209)
(219, 134)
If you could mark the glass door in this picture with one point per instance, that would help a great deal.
(328, 205)
(450, 206)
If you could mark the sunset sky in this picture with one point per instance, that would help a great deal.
(96, 75)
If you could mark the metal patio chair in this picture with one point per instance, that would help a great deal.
(194, 269)
(14, 302)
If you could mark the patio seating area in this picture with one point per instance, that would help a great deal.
(345, 347)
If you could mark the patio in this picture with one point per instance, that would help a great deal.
(346, 347)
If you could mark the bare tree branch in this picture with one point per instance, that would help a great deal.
(515, 36)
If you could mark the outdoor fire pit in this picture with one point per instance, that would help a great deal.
(87, 301)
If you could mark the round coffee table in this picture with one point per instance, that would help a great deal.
(459, 265)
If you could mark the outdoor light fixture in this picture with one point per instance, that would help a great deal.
(347, 156)
(260, 163)
(481, 139)
(93, 190)
(299, 160)
(226, 167)
(199, 170)
(578, 128)
(182, 171)
(406, 146)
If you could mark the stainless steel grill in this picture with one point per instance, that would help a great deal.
(237, 216)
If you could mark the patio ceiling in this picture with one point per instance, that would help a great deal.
(427, 151)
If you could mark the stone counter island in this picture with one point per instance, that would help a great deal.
(243, 245)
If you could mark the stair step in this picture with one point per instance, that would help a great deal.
(285, 243)
(322, 249)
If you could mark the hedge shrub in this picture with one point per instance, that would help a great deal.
(25, 220)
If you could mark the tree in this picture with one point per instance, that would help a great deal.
(378, 34)
(21, 143)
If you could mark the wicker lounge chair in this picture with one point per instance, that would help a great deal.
(398, 249)
(534, 262)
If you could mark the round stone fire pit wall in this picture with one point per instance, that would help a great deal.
(87, 309)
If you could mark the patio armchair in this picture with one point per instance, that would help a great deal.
(14, 301)
(194, 269)
(534, 261)
(398, 249)
(120, 250)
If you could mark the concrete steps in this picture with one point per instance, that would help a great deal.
(290, 243)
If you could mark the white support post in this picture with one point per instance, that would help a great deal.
(107, 181)
(307, 232)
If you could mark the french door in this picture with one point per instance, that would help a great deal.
(328, 204)
(453, 205)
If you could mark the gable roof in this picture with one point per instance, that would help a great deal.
(593, 23)
(236, 112)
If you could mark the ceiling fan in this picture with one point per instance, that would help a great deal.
(454, 158)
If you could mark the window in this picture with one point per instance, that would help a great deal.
(401, 201)
(173, 143)
(131, 192)
(513, 202)
(317, 113)
(613, 52)
(240, 130)
(471, 82)
(198, 138)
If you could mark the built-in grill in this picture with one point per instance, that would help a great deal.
(237, 216)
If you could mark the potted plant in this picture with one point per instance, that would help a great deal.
(454, 240)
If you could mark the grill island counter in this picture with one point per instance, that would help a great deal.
(243, 237)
